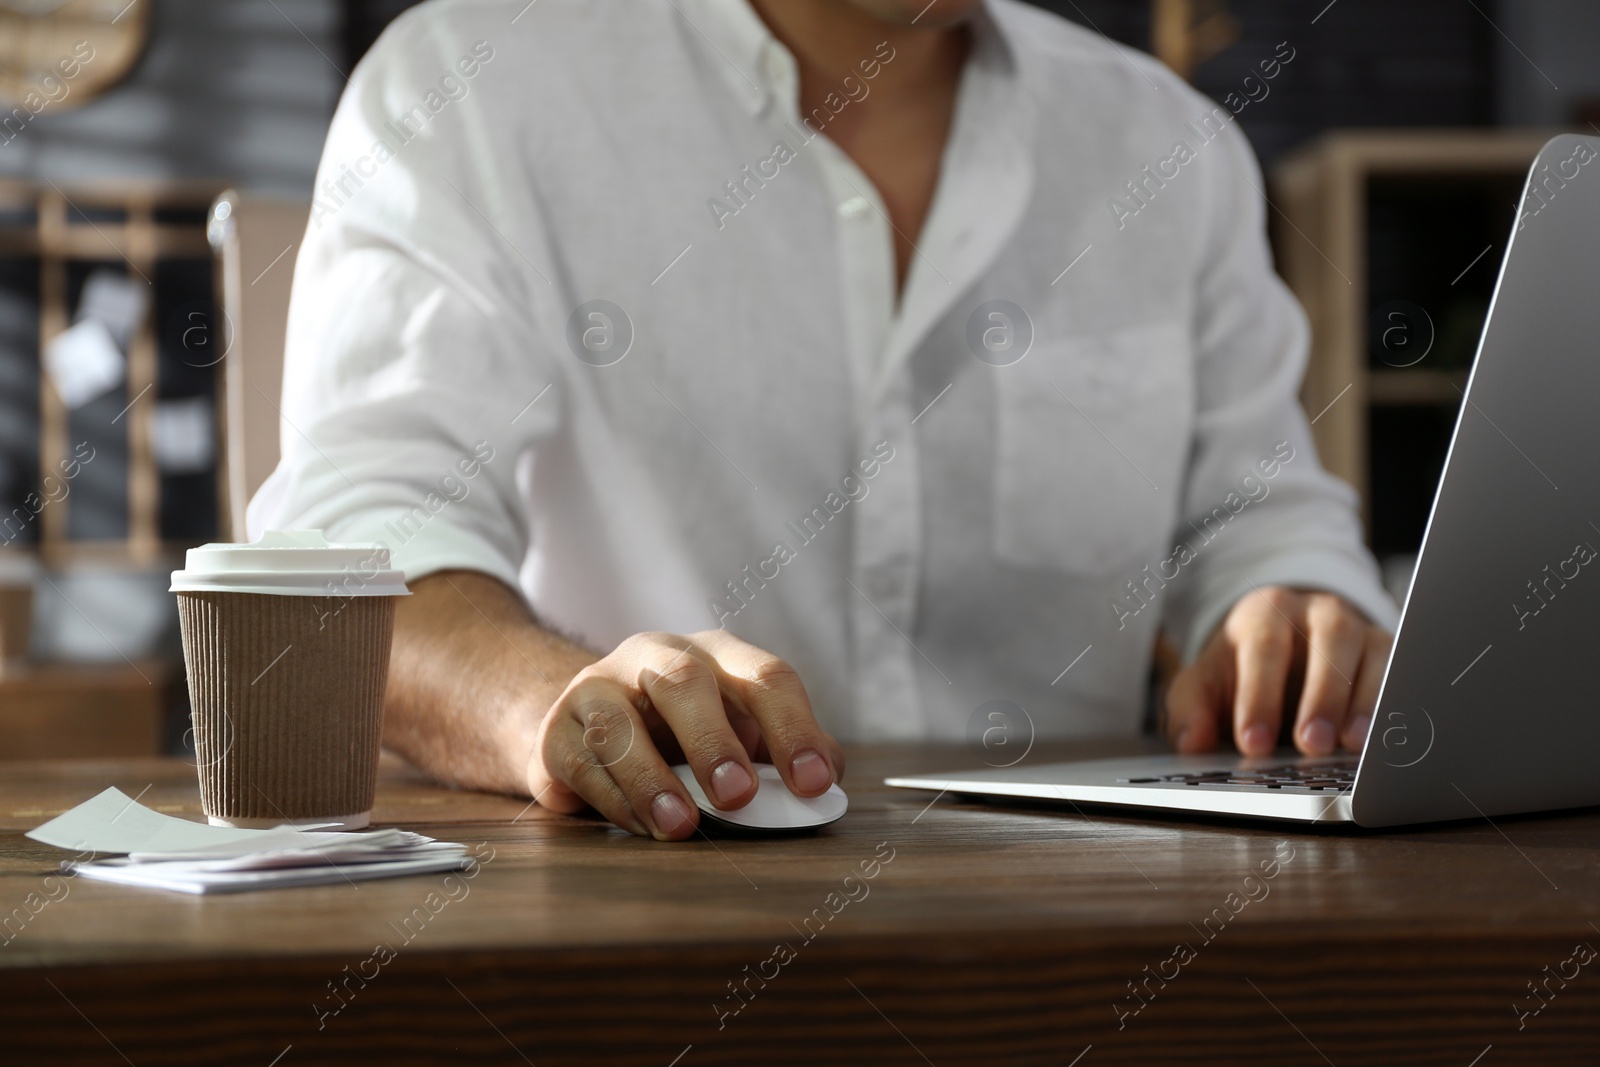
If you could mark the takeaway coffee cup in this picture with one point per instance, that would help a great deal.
(286, 640)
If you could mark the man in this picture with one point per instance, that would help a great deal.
(730, 374)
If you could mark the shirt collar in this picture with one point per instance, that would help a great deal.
(737, 42)
(759, 69)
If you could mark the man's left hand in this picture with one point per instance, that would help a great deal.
(1274, 642)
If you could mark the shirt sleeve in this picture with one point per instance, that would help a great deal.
(1258, 508)
(414, 380)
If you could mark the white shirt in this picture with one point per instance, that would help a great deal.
(756, 435)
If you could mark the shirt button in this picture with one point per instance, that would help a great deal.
(772, 63)
(854, 208)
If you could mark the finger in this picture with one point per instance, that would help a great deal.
(542, 785)
(556, 796)
(686, 692)
(1374, 661)
(598, 747)
(748, 731)
(770, 691)
(1335, 638)
(1264, 644)
(1198, 698)
(573, 766)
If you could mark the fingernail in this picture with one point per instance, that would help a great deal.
(670, 814)
(1358, 731)
(1319, 736)
(729, 782)
(1256, 739)
(1177, 742)
(810, 772)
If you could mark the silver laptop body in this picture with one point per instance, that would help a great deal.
(1488, 705)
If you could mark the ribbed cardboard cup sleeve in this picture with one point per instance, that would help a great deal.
(287, 698)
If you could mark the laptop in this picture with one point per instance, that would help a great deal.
(1490, 703)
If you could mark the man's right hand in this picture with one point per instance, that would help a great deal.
(709, 700)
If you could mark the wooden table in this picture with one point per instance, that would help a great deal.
(984, 936)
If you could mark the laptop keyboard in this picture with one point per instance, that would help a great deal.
(1290, 777)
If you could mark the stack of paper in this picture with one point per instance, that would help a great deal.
(163, 852)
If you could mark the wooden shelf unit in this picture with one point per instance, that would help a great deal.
(131, 222)
(1399, 387)
(1321, 193)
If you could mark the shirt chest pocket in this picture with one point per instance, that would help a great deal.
(1093, 436)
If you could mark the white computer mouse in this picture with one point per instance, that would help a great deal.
(773, 810)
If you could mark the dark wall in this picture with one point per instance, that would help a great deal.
(1363, 63)
(363, 21)
(1360, 63)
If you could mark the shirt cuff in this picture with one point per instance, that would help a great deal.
(1353, 580)
(420, 551)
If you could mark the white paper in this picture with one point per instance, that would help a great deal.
(164, 852)
(291, 838)
(116, 302)
(112, 823)
(182, 436)
(337, 856)
(156, 875)
(84, 362)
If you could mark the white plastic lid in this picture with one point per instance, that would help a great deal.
(290, 563)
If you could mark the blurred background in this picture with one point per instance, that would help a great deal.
(156, 169)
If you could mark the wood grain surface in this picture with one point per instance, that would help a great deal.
(994, 935)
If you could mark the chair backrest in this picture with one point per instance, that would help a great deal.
(255, 239)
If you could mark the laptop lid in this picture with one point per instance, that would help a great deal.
(1489, 703)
